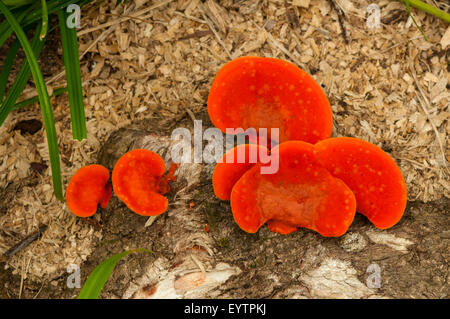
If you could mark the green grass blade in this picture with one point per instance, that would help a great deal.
(408, 9)
(99, 276)
(427, 8)
(73, 76)
(16, 3)
(44, 100)
(52, 7)
(32, 13)
(21, 79)
(5, 28)
(7, 66)
(44, 20)
(35, 99)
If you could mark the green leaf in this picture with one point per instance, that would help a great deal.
(44, 100)
(16, 3)
(100, 275)
(21, 79)
(73, 76)
(52, 7)
(5, 28)
(7, 66)
(44, 19)
(35, 99)
(408, 9)
(30, 14)
(425, 7)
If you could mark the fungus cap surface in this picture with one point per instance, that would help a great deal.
(301, 194)
(88, 188)
(135, 179)
(233, 165)
(372, 175)
(256, 92)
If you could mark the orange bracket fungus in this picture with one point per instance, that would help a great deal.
(371, 174)
(301, 194)
(87, 189)
(138, 181)
(257, 92)
(233, 165)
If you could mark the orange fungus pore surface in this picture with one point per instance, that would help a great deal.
(87, 189)
(233, 165)
(301, 193)
(257, 92)
(138, 181)
(371, 174)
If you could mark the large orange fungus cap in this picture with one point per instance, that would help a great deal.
(301, 194)
(256, 92)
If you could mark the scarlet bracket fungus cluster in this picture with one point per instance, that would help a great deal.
(321, 181)
(138, 180)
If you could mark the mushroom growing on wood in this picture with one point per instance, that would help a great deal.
(301, 194)
(138, 181)
(371, 174)
(233, 165)
(256, 92)
(87, 189)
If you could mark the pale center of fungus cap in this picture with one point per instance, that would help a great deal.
(293, 204)
(266, 113)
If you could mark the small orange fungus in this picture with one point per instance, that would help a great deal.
(87, 189)
(138, 181)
